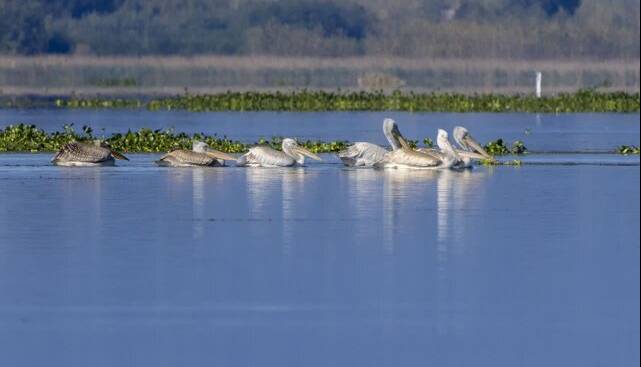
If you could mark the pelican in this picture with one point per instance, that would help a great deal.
(265, 156)
(406, 157)
(363, 154)
(201, 155)
(93, 154)
(469, 148)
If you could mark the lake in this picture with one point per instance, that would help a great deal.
(133, 265)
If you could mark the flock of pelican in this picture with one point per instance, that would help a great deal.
(360, 154)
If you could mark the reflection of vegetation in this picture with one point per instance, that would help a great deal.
(628, 149)
(583, 101)
(493, 162)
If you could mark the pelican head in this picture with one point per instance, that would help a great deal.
(202, 147)
(292, 149)
(463, 138)
(443, 142)
(393, 134)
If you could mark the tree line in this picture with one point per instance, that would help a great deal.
(324, 28)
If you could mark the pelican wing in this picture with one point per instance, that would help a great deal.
(412, 158)
(362, 154)
(79, 152)
(188, 157)
(264, 156)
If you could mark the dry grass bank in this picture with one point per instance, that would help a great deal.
(149, 75)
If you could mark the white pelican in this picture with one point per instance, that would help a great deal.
(92, 154)
(406, 157)
(265, 156)
(363, 154)
(470, 148)
(201, 155)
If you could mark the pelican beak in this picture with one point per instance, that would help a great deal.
(403, 142)
(220, 155)
(477, 147)
(306, 152)
(396, 133)
(119, 156)
(472, 155)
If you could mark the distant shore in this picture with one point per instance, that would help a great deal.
(306, 100)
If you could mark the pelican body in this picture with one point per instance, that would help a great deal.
(265, 156)
(95, 154)
(406, 157)
(200, 156)
(363, 154)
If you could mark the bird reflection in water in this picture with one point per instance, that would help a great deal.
(455, 193)
(401, 185)
(264, 185)
(292, 186)
(363, 194)
(198, 201)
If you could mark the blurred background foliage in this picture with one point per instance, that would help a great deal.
(515, 29)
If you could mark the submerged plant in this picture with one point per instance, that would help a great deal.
(628, 149)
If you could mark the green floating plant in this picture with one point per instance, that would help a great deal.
(306, 100)
(498, 147)
(628, 149)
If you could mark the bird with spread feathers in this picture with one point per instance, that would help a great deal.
(201, 155)
(92, 154)
(407, 157)
(266, 156)
(364, 154)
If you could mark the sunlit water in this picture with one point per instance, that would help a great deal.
(136, 265)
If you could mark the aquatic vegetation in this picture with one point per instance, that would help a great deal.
(498, 147)
(98, 103)
(493, 162)
(29, 138)
(306, 100)
(628, 149)
(518, 148)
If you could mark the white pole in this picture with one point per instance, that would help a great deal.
(539, 76)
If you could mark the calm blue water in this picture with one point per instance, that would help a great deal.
(138, 265)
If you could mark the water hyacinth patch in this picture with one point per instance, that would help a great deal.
(628, 149)
(498, 147)
(29, 138)
(305, 100)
